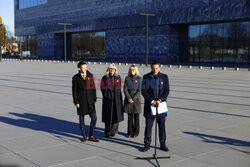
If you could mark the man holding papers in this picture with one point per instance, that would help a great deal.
(155, 90)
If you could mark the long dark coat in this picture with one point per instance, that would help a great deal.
(106, 88)
(148, 87)
(84, 93)
(132, 89)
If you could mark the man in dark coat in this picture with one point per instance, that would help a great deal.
(155, 89)
(112, 110)
(84, 98)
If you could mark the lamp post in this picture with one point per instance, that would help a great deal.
(21, 49)
(147, 14)
(65, 46)
(1, 42)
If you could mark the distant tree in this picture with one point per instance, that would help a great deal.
(3, 32)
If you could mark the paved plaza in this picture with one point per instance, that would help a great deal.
(208, 124)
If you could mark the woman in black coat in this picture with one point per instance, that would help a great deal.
(112, 111)
(132, 102)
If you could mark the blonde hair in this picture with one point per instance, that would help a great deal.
(136, 70)
(112, 66)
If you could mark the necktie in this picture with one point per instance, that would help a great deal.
(84, 76)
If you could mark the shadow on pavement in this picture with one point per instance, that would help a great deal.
(221, 140)
(61, 128)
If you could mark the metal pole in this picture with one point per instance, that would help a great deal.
(0, 42)
(65, 46)
(65, 40)
(146, 14)
(146, 40)
(21, 49)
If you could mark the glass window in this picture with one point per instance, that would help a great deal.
(88, 45)
(194, 33)
(28, 46)
(30, 3)
(220, 43)
(205, 33)
(217, 32)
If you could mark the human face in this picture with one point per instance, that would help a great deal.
(112, 71)
(155, 69)
(83, 69)
(132, 70)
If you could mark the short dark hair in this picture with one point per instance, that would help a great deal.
(155, 63)
(80, 64)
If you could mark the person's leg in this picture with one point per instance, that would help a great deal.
(114, 129)
(107, 129)
(136, 125)
(130, 124)
(148, 131)
(162, 131)
(82, 127)
(92, 124)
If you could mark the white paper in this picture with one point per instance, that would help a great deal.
(162, 108)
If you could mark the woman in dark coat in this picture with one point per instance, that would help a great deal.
(132, 102)
(112, 110)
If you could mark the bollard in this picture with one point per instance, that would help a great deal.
(170, 66)
(179, 66)
(224, 68)
(200, 67)
(189, 67)
(237, 69)
(212, 68)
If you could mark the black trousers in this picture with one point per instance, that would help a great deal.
(111, 129)
(133, 124)
(92, 125)
(161, 129)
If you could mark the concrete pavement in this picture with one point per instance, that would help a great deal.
(207, 125)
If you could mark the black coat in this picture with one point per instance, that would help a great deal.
(148, 85)
(132, 89)
(106, 88)
(84, 93)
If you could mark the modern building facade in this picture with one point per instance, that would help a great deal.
(182, 31)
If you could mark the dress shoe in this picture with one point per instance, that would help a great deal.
(135, 136)
(84, 139)
(129, 136)
(93, 139)
(164, 148)
(145, 149)
(107, 134)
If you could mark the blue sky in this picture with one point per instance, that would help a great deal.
(7, 13)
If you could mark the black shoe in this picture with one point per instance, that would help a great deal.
(107, 134)
(145, 149)
(164, 148)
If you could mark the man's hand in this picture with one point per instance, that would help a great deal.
(130, 100)
(156, 103)
(77, 105)
(94, 102)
